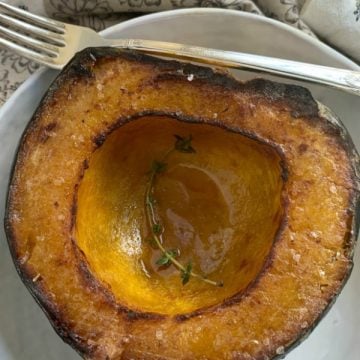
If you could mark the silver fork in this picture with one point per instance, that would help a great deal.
(54, 43)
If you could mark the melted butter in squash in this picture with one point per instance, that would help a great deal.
(222, 207)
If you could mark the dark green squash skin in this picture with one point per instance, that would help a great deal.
(295, 97)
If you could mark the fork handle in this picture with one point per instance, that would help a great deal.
(338, 78)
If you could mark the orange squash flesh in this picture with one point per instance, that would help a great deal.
(288, 176)
(209, 203)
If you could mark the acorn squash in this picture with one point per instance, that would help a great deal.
(268, 204)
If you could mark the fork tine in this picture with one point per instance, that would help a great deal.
(39, 20)
(28, 53)
(33, 30)
(28, 41)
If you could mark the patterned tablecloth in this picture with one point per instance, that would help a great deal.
(332, 20)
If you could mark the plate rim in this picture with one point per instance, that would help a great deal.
(256, 17)
(32, 80)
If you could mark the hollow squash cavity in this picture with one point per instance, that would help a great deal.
(220, 206)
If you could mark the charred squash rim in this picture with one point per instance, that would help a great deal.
(294, 99)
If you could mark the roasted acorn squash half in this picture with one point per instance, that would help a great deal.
(268, 204)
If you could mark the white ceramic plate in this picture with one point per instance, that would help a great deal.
(25, 333)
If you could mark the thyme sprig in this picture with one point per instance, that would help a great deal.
(183, 145)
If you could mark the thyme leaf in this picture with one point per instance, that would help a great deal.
(186, 273)
(158, 166)
(183, 144)
(166, 258)
(157, 229)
